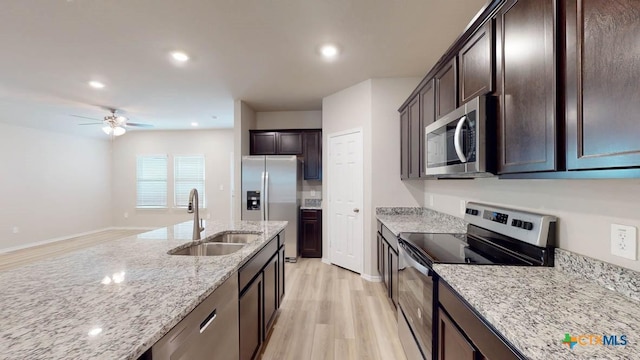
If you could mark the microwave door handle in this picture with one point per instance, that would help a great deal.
(457, 139)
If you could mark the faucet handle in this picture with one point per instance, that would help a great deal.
(201, 227)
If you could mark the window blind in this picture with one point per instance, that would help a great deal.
(188, 174)
(151, 188)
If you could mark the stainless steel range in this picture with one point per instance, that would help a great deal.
(495, 236)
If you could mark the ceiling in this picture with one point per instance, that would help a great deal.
(264, 52)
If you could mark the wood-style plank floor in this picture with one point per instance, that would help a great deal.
(13, 259)
(332, 313)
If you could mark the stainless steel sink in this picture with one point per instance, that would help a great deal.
(237, 238)
(209, 249)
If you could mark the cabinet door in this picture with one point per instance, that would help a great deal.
(380, 256)
(312, 153)
(385, 266)
(270, 274)
(289, 143)
(280, 275)
(446, 81)
(251, 320)
(311, 233)
(603, 73)
(393, 276)
(427, 116)
(476, 64)
(415, 155)
(405, 146)
(452, 344)
(525, 43)
(263, 143)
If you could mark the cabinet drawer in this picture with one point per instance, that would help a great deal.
(257, 262)
(310, 214)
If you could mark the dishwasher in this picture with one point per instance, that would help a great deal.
(210, 331)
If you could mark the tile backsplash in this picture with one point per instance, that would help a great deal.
(313, 202)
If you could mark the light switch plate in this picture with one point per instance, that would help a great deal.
(623, 241)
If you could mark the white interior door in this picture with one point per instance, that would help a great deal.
(345, 194)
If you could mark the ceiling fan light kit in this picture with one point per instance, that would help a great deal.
(114, 130)
(114, 125)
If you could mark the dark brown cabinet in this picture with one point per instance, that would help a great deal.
(415, 129)
(603, 73)
(387, 245)
(312, 153)
(527, 86)
(289, 143)
(476, 61)
(306, 143)
(405, 144)
(261, 287)
(310, 233)
(453, 345)
(446, 84)
(263, 143)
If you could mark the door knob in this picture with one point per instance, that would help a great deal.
(356, 210)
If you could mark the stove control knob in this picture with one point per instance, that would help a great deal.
(518, 223)
(527, 225)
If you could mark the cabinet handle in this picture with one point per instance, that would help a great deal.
(208, 320)
(356, 210)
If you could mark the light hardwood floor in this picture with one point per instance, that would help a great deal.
(17, 258)
(332, 313)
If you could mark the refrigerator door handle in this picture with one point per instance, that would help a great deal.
(266, 196)
(263, 203)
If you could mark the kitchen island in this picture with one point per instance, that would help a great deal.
(115, 300)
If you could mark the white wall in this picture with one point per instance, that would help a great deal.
(585, 208)
(267, 120)
(52, 185)
(244, 120)
(215, 145)
(371, 105)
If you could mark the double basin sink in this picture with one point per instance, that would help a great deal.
(223, 244)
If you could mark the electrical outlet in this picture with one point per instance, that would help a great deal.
(126, 215)
(221, 187)
(313, 193)
(431, 201)
(15, 229)
(623, 241)
(463, 206)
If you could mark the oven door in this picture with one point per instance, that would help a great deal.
(415, 299)
(455, 143)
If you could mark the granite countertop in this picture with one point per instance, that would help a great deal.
(534, 307)
(63, 308)
(399, 219)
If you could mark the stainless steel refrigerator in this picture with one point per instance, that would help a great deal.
(271, 188)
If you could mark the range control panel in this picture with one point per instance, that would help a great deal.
(532, 228)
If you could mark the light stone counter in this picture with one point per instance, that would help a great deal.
(534, 307)
(63, 308)
(406, 219)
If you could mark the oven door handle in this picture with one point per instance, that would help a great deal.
(407, 259)
(457, 139)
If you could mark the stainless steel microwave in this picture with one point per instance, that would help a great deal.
(456, 144)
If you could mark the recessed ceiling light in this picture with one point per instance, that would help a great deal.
(179, 56)
(329, 51)
(96, 84)
(194, 124)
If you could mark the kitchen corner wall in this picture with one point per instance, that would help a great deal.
(371, 105)
(215, 145)
(244, 120)
(52, 185)
(585, 208)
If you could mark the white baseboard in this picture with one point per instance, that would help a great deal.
(326, 261)
(371, 278)
(67, 237)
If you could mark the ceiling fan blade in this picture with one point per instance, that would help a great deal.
(139, 125)
(85, 117)
(93, 123)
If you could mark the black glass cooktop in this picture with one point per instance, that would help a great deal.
(431, 248)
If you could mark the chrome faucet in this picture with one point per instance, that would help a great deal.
(193, 208)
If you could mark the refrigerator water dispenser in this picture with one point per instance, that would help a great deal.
(253, 200)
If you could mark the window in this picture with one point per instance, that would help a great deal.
(151, 189)
(188, 174)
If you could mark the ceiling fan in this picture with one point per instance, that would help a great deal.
(114, 124)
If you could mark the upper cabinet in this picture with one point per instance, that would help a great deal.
(602, 77)
(405, 144)
(446, 81)
(476, 59)
(415, 125)
(306, 143)
(527, 86)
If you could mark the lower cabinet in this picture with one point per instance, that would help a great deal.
(462, 335)
(388, 262)
(261, 288)
(310, 242)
